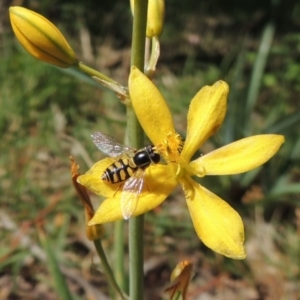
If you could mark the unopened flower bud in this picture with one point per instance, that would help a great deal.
(155, 17)
(41, 38)
(155, 20)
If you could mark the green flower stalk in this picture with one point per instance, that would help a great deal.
(41, 38)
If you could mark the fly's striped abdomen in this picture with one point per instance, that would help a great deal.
(119, 171)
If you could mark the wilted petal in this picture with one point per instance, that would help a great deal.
(150, 107)
(159, 182)
(238, 157)
(180, 279)
(92, 232)
(217, 224)
(206, 114)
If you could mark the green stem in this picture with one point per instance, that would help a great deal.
(136, 258)
(135, 138)
(105, 81)
(139, 33)
(94, 73)
(119, 254)
(136, 224)
(107, 270)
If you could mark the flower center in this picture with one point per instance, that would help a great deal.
(171, 147)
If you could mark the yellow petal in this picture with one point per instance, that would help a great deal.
(92, 179)
(217, 224)
(150, 107)
(41, 38)
(159, 182)
(238, 157)
(206, 114)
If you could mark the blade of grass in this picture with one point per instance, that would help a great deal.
(60, 283)
(258, 71)
(260, 64)
(284, 186)
(233, 117)
(287, 122)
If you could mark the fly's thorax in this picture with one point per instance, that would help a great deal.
(144, 157)
(141, 158)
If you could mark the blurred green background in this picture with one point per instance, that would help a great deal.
(47, 114)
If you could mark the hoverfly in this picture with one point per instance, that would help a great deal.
(129, 167)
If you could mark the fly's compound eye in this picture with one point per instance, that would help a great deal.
(155, 157)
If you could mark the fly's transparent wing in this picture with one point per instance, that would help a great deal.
(110, 146)
(130, 194)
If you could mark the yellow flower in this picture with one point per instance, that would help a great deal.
(41, 38)
(217, 224)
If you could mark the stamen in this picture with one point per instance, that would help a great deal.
(171, 147)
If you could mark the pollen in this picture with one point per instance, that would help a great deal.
(171, 147)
